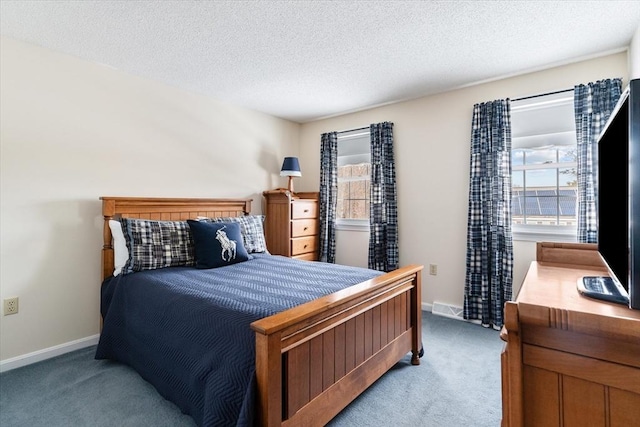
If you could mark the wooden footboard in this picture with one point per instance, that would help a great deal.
(314, 359)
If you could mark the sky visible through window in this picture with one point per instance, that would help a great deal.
(538, 175)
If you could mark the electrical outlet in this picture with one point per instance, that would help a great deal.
(433, 269)
(10, 306)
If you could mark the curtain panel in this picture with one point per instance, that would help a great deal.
(489, 269)
(383, 214)
(593, 104)
(328, 198)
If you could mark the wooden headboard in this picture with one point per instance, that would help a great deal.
(162, 209)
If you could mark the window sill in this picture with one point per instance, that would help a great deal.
(544, 236)
(353, 225)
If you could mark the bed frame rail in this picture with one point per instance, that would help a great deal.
(314, 359)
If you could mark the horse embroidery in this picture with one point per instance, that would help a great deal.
(228, 246)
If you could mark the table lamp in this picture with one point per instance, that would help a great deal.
(290, 168)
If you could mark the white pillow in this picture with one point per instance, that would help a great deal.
(120, 251)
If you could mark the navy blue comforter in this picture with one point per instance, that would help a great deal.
(187, 331)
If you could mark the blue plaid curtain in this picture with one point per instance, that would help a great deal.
(328, 195)
(489, 274)
(383, 214)
(593, 104)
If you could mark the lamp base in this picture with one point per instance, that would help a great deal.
(290, 187)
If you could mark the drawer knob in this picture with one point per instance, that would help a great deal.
(306, 210)
(305, 229)
(305, 246)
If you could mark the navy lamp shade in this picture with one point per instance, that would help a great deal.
(290, 168)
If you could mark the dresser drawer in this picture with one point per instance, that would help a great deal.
(309, 256)
(304, 209)
(304, 227)
(302, 245)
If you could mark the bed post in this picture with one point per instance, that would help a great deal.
(269, 377)
(416, 318)
(108, 211)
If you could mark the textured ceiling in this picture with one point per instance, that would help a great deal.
(303, 60)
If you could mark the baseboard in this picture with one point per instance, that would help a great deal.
(427, 307)
(47, 353)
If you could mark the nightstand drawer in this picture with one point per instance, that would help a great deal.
(309, 256)
(304, 209)
(302, 245)
(304, 227)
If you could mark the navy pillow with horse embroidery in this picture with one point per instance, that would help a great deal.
(217, 244)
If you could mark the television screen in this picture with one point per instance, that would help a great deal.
(612, 196)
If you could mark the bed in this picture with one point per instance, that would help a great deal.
(300, 364)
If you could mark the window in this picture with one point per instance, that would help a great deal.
(354, 179)
(543, 163)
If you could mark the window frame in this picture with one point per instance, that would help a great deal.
(546, 232)
(353, 224)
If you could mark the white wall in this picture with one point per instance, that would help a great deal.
(72, 131)
(432, 165)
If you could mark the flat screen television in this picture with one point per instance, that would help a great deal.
(618, 204)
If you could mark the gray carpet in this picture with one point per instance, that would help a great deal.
(457, 384)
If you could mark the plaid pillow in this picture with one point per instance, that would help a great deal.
(251, 228)
(157, 244)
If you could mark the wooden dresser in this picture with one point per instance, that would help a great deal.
(291, 224)
(569, 360)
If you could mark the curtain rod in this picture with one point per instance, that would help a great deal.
(353, 130)
(542, 94)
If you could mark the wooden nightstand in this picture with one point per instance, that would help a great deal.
(291, 224)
